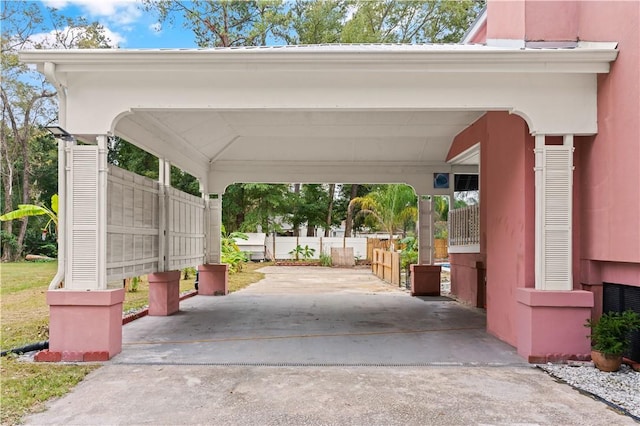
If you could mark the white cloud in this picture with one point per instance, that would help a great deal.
(58, 4)
(62, 39)
(116, 12)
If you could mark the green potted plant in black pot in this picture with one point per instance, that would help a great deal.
(610, 338)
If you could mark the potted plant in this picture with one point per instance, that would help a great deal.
(610, 338)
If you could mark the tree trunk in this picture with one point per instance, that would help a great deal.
(26, 190)
(296, 226)
(240, 216)
(311, 230)
(332, 190)
(348, 222)
(6, 169)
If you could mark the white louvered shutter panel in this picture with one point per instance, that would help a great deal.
(558, 190)
(83, 219)
(425, 228)
(214, 222)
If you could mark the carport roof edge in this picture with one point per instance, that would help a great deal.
(584, 57)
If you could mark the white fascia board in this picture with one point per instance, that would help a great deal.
(428, 58)
(466, 155)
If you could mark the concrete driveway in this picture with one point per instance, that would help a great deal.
(337, 348)
(316, 316)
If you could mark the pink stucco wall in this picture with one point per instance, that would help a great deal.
(610, 172)
(507, 215)
(505, 19)
(533, 20)
(507, 170)
(551, 20)
(464, 277)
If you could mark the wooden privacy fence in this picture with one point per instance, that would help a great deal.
(377, 243)
(386, 265)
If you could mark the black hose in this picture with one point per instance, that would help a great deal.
(27, 348)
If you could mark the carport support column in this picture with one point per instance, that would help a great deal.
(213, 276)
(551, 315)
(164, 286)
(425, 277)
(85, 321)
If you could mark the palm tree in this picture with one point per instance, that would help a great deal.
(392, 206)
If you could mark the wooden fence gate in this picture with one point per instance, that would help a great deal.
(386, 265)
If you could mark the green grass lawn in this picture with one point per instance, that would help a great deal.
(25, 386)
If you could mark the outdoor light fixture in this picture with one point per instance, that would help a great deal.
(60, 133)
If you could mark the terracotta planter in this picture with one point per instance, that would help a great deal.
(606, 362)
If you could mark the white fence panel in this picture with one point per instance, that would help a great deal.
(359, 245)
(132, 224)
(313, 243)
(284, 245)
(185, 229)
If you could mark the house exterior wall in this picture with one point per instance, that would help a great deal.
(606, 229)
(610, 177)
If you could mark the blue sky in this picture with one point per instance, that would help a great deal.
(126, 23)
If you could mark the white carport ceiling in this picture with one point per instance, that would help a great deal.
(418, 136)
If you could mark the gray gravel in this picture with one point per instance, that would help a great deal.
(621, 388)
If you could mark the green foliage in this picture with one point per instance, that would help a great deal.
(231, 254)
(134, 284)
(247, 206)
(610, 334)
(25, 210)
(306, 252)
(317, 22)
(188, 273)
(441, 230)
(325, 259)
(393, 207)
(129, 157)
(409, 253)
(27, 385)
(9, 240)
(38, 242)
(391, 21)
(310, 206)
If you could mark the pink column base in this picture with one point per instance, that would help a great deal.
(85, 321)
(551, 324)
(164, 293)
(213, 279)
(425, 280)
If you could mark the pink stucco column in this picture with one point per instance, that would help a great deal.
(213, 279)
(164, 293)
(425, 280)
(82, 322)
(551, 324)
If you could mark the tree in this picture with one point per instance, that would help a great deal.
(391, 21)
(226, 23)
(259, 204)
(28, 101)
(393, 207)
(317, 22)
(129, 157)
